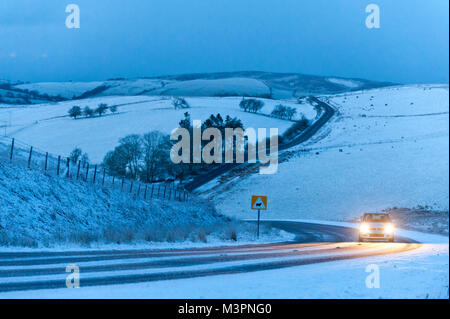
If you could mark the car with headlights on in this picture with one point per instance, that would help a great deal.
(376, 227)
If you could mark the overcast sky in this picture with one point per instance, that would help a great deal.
(133, 38)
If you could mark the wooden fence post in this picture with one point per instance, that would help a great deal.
(12, 150)
(170, 193)
(87, 171)
(59, 165)
(78, 169)
(131, 187)
(95, 173)
(121, 187)
(68, 167)
(29, 157)
(104, 173)
(114, 178)
(145, 192)
(153, 186)
(46, 161)
(165, 186)
(139, 190)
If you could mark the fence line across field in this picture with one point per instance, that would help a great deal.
(25, 155)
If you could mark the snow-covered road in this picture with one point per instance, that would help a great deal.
(43, 274)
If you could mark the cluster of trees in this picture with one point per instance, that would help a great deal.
(147, 157)
(284, 112)
(251, 105)
(180, 103)
(215, 121)
(142, 157)
(76, 111)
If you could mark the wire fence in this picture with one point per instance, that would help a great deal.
(25, 155)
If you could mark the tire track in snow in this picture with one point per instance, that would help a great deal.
(41, 272)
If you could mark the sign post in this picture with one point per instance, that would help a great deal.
(259, 217)
(259, 203)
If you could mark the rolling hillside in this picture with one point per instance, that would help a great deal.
(48, 126)
(387, 148)
(257, 84)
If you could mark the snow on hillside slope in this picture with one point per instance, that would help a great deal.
(199, 87)
(70, 90)
(132, 87)
(385, 148)
(40, 210)
(48, 127)
(66, 90)
(346, 83)
(221, 87)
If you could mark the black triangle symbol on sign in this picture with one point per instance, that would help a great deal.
(259, 204)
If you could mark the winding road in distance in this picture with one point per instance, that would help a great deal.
(328, 113)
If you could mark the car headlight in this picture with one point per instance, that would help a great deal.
(389, 229)
(364, 228)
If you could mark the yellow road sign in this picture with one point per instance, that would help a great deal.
(259, 202)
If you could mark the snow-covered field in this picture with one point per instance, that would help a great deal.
(385, 148)
(48, 126)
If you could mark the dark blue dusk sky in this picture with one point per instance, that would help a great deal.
(136, 38)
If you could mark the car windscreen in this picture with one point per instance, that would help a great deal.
(377, 218)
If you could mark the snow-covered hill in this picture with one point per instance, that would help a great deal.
(219, 87)
(257, 84)
(66, 90)
(48, 126)
(385, 148)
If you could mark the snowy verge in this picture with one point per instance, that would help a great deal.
(246, 237)
(37, 210)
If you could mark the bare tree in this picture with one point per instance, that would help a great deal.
(156, 149)
(130, 148)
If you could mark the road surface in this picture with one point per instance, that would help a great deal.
(313, 244)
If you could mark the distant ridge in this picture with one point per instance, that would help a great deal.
(241, 83)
